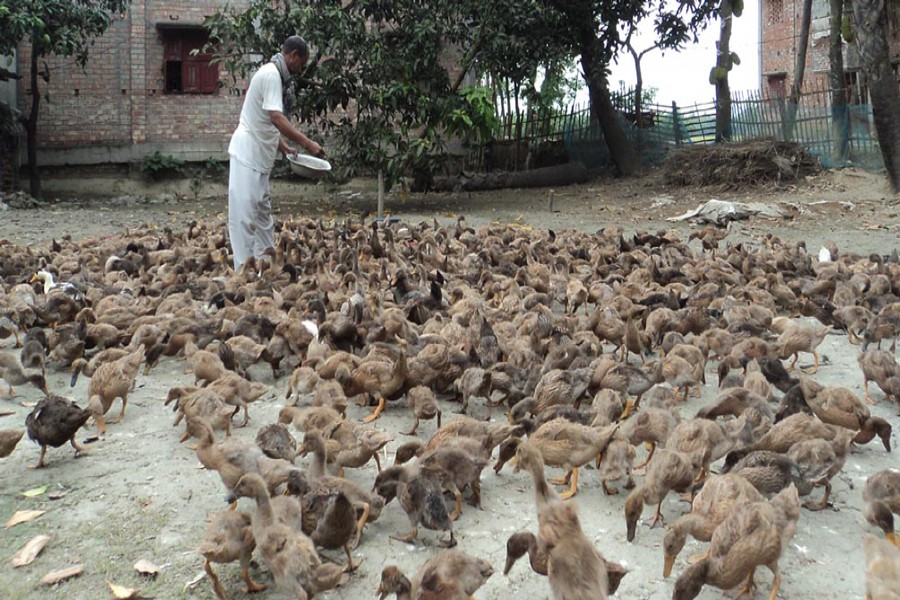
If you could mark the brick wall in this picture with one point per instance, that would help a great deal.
(117, 110)
(780, 29)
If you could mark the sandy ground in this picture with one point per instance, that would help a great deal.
(139, 495)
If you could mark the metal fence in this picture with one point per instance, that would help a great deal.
(533, 139)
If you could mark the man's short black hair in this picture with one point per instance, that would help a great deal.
(295, 43)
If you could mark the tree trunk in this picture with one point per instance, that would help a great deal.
(626, 160)
(799, 70)
(723, 66)
(31, 125)
(840, 116)
(871, 39)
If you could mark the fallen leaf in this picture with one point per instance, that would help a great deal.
(23, 516)
(54, 577)
(35, 491)
(121, 592)
(28, 404)
(6, 413)
(30, 551)
(194, 582)
(145, 567)
(57, 495)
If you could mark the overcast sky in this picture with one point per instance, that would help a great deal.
(684, 76)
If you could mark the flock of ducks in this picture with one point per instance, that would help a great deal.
(584, 347)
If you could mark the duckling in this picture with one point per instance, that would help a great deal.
(570, 445)
(422, 501)
(377, 379)
(820, 460)
(423, 404)
(669, 471)
(193, 403)
(705, 441)
(615, 463)
(679, 373)
(574, 566)
(80, 365)
(53, 422)
(789, 431)
(232, 458)
(466, 574)
(523, 542)
(840, 406)
(878, 366)
(12, 373)
(239, 392)
(353, 445)
(367, 505)
(474, 382)
(769, 472)
(9, 439)
(329, 519)
(330, 394)
(882, 569)
(290, 555)
(755, 381)
(753, 535)
(473, 428)
(799, 338)
(229, 538)
(734, 401)
(455, 469)
(309, 418)
(303, 381)
(206, 366)
(110, 381)
(277, 442)
(9, 328)
(720, 495)
(652, 426)
(32, 355)
(881, 495)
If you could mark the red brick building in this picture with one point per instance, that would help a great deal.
(142, 91)
(780, 26)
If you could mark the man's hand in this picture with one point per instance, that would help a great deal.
(314, 148)
(286, 149)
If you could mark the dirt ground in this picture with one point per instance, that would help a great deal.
(139, 495)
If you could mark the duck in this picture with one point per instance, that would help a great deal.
(368, 505)
(574, 566)
(840, 406)
(454, 469)
(753, 535)
(303, 381)
(563, 443)
(207, 366)
(705, 441)
(670, 470)
(290, 555)
(276, 441)
(525, 542)
(617, 462)
(238, 392)
(652, 427)
(329, 519)
(194, 403)
(54, 421)
(9, 439)
(769, 472)
(12, 372)
(232, 458)
(787, 432)
(449, 574)
(820, 460)
(422, 500)
(375, 378)
(310, 417)
(882, 568)
(716, 500)
(424, 405)
(881, 499)
(798, 338)
(110, 381)
(229, 538)
(9, 328)
(881, 367)
(357, 444)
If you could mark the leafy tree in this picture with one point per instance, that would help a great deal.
(870, 17)
(51, 27)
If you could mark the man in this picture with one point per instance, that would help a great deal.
(254, 146)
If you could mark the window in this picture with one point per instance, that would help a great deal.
(776, 10)
(185, 69)
(777, 85)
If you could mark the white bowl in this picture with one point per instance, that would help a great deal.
(308, 166)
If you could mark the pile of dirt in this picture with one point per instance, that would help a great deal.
(739, 165)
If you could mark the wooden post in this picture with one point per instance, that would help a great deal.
(676, 129)
(380, 193)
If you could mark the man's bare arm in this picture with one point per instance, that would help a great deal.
(283, 124)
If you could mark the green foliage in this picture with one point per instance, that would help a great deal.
(847, 30)
(158, 166)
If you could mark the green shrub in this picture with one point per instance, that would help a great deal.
(159, 166)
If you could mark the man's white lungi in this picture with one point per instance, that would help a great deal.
(250, 224)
